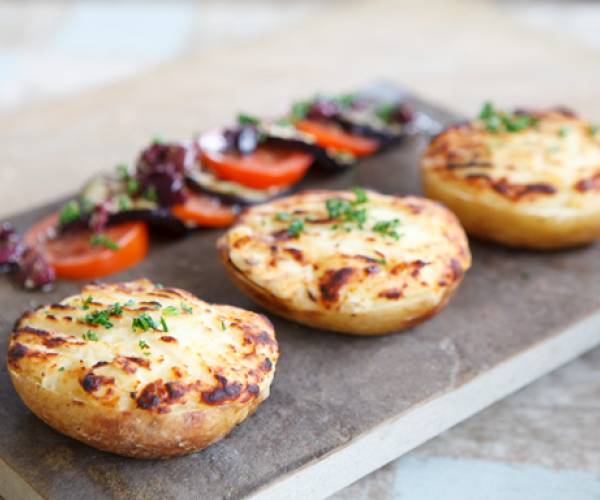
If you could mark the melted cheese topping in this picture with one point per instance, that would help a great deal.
(200, 354)
(549, 167)
(354, 270)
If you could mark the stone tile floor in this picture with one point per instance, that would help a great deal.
(542, 443)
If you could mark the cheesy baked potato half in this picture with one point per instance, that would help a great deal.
(528, 179)
(142, 371)
(352, 262)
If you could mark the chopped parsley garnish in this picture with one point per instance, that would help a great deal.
(346, 212)
(143, 344)
(122, 172)
(61, 369)
(381, 261)
(223, 327)
(295, 228)
(164, 324)
(115, 309)
(86, 303)
(498, 121)
(186, 308)
(101, 317)
(70, 212)
(159, 285)
(133, 186)
(345, 100)
(361, 195)
(129, 303)
(104, 241)
(384, 112)
(123, 202)
(593, 130)
(90, 335)
(131, 183)
(563, 132)
(245, 119)
(283, 216)
(170, 311)
(150, 194)
(143, 322)
(300, 110)
(387, 228)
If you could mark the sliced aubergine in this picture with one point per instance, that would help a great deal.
(111, 195)
(285, 134)
(282, 134)
(233, 193)
(359, 115)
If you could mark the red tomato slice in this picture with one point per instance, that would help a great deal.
(205, 210)
(264, 168)
(74, 257)
(330, 135)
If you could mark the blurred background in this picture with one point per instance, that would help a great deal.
(53, 48)
(99, 78)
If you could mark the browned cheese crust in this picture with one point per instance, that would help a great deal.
(337, 276)
(537, 188)
(167, 390)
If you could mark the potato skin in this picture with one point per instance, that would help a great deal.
(178, 399)
(537, 189)
(375, 297)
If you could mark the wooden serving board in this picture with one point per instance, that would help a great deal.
(340, 406)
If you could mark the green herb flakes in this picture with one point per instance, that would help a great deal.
(223, 327)
(143, 322)
(86, 303)
(283, 216)
(123, 202)
(150, 194)
(70, 212)
(104, 241)
(384, 111)
(164, 324)
(90, 335)
(133, 186)
(187, 309)
(170, 311)
(115, 309)
(246, 119)
(100, 318)
(387, 228)
(61, 369)
(498, 121)
(295, 228)
(563, 132)
(143, 344)
(122, 172)
(345, 100)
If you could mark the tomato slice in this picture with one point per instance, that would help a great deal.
(266, 167)
(204, 210)
(74, 257)
(331, 135)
